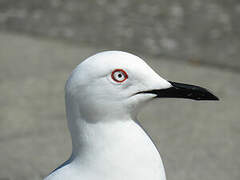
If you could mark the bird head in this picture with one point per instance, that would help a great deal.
(115, 85)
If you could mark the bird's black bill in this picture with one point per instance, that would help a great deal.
(186, 91)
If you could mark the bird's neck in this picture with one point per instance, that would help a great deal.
(113, 145)
(105, 137)
(116, 147)
(96, 136)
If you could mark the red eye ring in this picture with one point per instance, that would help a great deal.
(119, 75)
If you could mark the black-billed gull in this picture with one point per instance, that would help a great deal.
(103, 96)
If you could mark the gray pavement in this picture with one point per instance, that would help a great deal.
(195, 30)
(197, 140)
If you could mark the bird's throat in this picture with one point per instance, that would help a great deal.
(115, 145)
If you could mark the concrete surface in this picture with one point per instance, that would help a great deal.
(197, 140)
(206, 31)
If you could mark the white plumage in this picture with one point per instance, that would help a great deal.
(103, 96)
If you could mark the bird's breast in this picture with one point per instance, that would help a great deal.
(120, 150)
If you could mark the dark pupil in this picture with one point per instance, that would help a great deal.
(119, 75)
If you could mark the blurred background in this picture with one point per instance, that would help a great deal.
(195, 42)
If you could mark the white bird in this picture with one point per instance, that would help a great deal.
(103, 96)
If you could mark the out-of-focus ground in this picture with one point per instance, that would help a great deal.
(206, 31)
(197, 140)
(195, 42)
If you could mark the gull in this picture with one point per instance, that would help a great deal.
(103, 96)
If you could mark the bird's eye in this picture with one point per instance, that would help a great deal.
(119, 75)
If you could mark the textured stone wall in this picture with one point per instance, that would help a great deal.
(205, 31)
